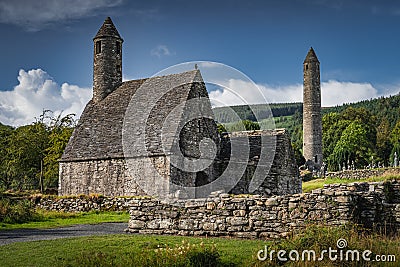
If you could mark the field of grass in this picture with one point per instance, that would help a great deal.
(319, 183)
(51, 219)
(118, 250)
(144, 250)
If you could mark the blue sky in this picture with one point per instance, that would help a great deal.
(46, 47)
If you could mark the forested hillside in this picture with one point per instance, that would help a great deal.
(383, 107)
(255, 112)
(363, 133)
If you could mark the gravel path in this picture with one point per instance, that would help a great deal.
(22, 235)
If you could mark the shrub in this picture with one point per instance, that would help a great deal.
(17, 211)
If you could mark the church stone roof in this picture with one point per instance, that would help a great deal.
(98, 134)
(311, 56)
(108, 30)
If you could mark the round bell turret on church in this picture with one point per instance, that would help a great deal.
(107, 60)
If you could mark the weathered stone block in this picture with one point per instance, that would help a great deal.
(166, 223)
(208, 226)
(136, 224)
(237, 221)
(239, 213)
(234, 228)
(248, 235)
(211, 205)
(271, 202)
(187, 224)
(153, 224)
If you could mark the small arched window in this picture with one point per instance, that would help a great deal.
(98, 47)
(118, 47)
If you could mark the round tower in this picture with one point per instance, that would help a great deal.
(312, 120)
(107, 60)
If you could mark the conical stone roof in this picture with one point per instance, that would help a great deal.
(311, 56)
(108, 30)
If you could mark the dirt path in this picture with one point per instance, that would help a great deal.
(22, 235)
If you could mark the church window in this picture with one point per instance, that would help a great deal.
(98, 47)
(306, 66)
(118, 47)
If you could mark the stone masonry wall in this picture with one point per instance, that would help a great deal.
(108, 177)
(271, 162)
(363, 174)
(254, 216)
(85, 203)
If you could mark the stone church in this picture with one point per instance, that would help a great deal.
(157, 136)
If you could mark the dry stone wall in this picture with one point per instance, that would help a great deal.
(373, 205)
(85, 203)
(363, 174)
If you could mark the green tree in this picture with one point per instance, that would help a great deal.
(300, 160)
(365, 117)
(60, 130)
(5, 175)
(353, 146)
(395, 140)
(26, 151)
(383, 143)
(334, 126)
(250, 125)
(221, 128)
(244, 125)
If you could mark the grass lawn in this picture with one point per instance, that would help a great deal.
(145, 250)
(62, 252)
(319, 183)
(49, 219)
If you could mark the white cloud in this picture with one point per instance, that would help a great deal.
(336, 93)
(34, 15)
(160, 50)
(239, 92)
(36, 92)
